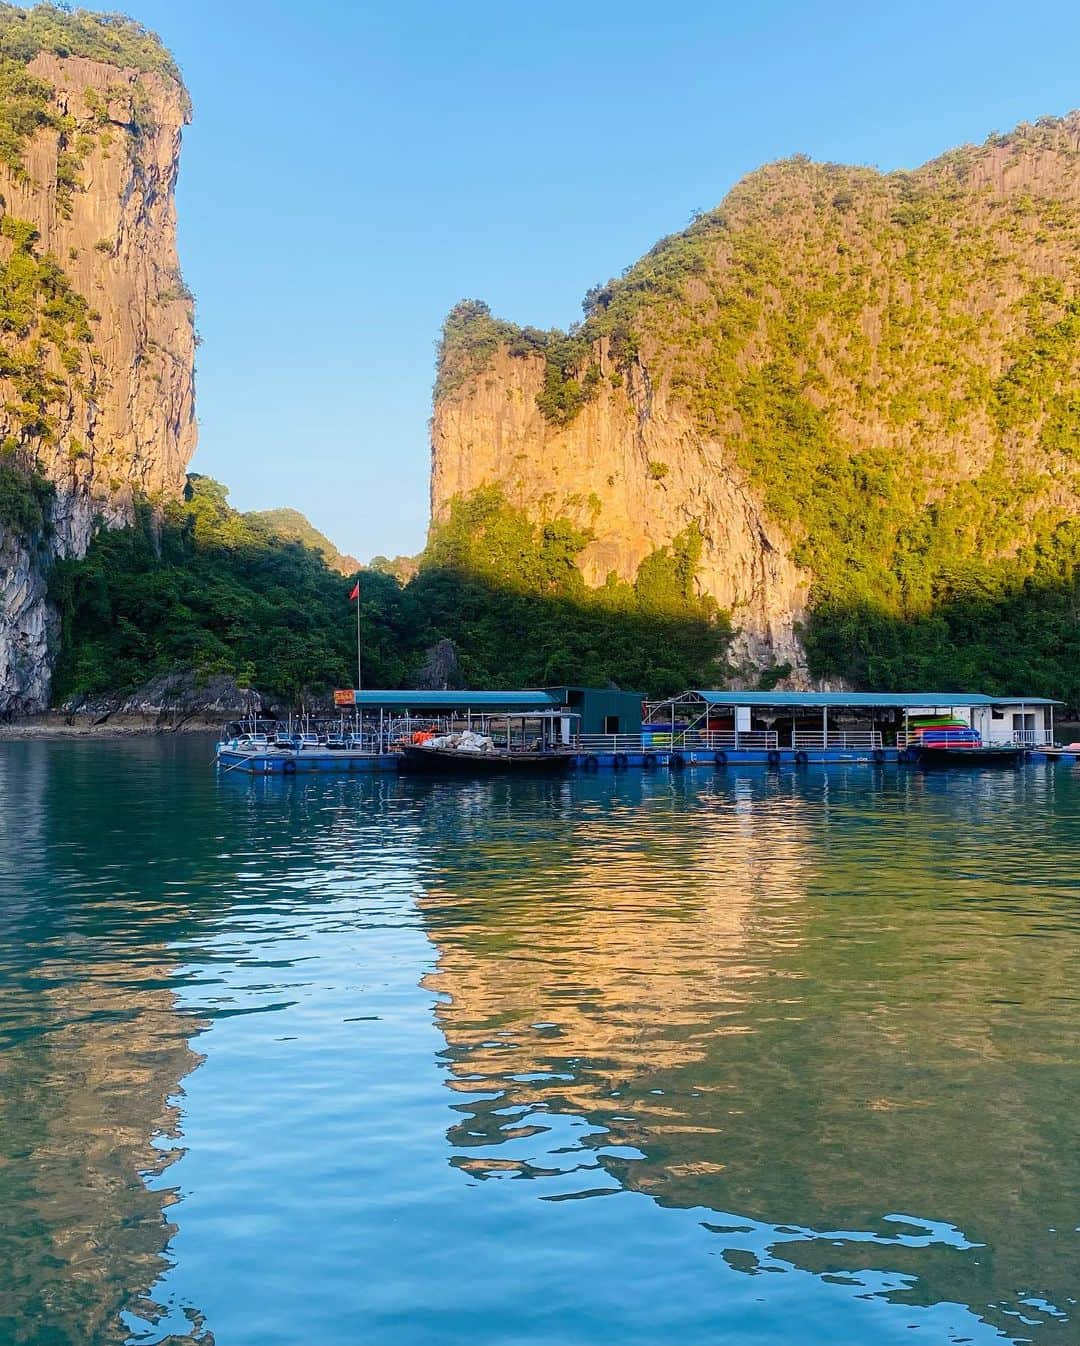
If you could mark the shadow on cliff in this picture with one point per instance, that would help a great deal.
(1023, 641)
(200, 586)
(509, 637)
(197, 585)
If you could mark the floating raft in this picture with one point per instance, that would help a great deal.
(307, 761)
(277, 765)
(273, 762)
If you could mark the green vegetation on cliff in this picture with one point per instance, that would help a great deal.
(893, 361)
(41, 315)
(43, 321)
(25, 494)
(112, 39)
(27, 103)
(509, 594)
(199, 585)
(292, 526)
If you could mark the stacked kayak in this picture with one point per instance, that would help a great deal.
(943, 731)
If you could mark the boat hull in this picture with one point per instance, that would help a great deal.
(448, 761)
(969, 757)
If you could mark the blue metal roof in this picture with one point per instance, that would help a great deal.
(492, 701)
(1024, 701)
(867, 700)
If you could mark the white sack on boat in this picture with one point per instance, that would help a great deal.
(466, 742)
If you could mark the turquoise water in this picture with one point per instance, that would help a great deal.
(727, 1056)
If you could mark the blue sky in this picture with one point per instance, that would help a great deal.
(355, 169)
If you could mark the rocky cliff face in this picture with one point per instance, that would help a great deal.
(857, 385)
(96, 385)
(634, 469)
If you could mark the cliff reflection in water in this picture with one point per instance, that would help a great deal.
(92, 1054)
(804, 1005)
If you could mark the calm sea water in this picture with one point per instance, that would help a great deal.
(718, 1057)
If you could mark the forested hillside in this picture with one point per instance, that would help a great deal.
(831, 430)
(200, 585)
(291, 526)
(862, 388)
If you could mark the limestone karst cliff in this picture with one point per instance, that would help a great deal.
(632, 469)
(96, 384)
(861, 387)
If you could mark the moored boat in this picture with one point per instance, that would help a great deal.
(460, 761)
(975, 755)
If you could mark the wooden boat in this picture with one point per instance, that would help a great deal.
(944, 755)
(453, 761)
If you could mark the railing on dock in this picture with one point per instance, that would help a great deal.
(840, 739)
(762, 740)
(610, 742)
(750, 740)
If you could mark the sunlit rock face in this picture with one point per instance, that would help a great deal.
(107, 414)
(850, 382)
(597, 470)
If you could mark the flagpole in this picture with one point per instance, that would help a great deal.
(360, 673)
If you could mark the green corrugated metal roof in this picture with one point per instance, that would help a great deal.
(396, 700)
(868, 700)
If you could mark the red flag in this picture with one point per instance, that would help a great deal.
(356, 590)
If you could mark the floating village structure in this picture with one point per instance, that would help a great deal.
(590, 728)
(372, 729)
(850, 726)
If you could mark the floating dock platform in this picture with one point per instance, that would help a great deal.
(599, 729)
(309, 761)
(650, 758)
